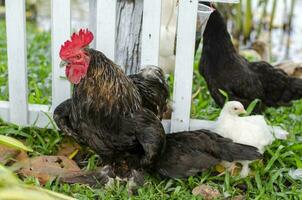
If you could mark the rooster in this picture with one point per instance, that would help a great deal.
(223, 68)
(107, 113)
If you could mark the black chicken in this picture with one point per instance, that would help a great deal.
(223, 68)
(190, 152)
(106, 113)
(153, 89)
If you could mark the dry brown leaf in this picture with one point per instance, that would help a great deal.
(21, 156)
(68, 147)
(46, 168)
(239, 197)
(206, 191)
(8, 154)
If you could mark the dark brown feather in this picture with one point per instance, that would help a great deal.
(223, 68)
(153, 89)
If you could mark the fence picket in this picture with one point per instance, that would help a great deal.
(151, 33)
(105, 27)
(184, 65)
(60, 32)
(92, 18)
(102, 22)
(17, 62)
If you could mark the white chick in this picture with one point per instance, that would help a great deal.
(249, 130)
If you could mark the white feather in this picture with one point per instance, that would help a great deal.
(249, 130)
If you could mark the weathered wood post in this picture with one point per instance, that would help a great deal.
(128, 30)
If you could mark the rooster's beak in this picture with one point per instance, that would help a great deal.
(63, 63)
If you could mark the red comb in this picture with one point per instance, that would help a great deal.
(77, 42)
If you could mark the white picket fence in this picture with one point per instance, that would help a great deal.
(102, 22)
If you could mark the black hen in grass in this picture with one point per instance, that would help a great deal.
(223, 68)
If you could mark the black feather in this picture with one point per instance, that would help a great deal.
(153, 89)
(188, 153)
(223, 68)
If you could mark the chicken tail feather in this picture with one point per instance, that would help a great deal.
(235, 151)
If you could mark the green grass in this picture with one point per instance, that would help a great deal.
(38, 63)
(270, 179)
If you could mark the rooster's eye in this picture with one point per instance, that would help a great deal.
(78, 56)
(235, 108)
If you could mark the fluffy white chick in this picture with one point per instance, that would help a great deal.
(249, 130)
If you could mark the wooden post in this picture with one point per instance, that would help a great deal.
(128, 34)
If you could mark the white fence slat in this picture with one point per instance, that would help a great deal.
(17, 62)
(37, 113)
(151, 33)
(184, 65)
(105, 27)
(195, 124)
(60, 32)
(92, 20)
(4, 110)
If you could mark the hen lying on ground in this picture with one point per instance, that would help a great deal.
(106, 113)
(250, 130)
(223, 68)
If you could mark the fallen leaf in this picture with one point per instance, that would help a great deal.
(68, 148)
(21, 156)
(206, 191)
(8, 154)
(46, 168)
(219, 168)
(12, 188)
(238, 197)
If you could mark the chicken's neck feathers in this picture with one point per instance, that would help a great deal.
(217, 43)
(107, 87)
